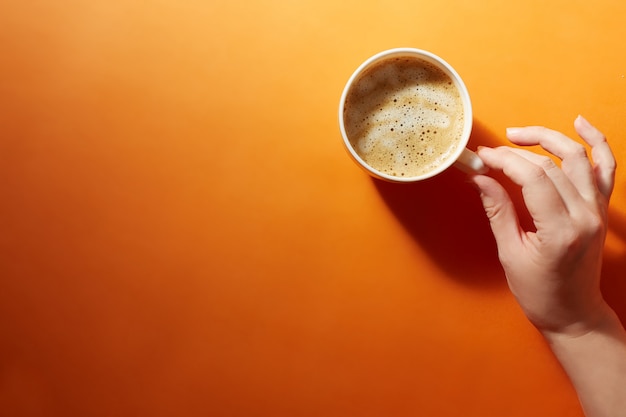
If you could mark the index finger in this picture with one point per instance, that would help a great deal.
(542, 199)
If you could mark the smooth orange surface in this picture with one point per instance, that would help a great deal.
(182, 233)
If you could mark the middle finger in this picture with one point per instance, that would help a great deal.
(569, 193)
(575, 163)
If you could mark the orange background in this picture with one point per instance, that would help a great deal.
(182, 233)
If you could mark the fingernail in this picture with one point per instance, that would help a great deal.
(512, 131)
(583, 120)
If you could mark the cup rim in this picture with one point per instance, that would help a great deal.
(456, 78)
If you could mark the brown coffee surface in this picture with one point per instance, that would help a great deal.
(404, 116)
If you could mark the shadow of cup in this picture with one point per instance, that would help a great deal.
(446, 218)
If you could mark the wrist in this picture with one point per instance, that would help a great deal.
(593, 355)
(600, 319)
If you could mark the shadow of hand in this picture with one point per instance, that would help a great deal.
(613, 275)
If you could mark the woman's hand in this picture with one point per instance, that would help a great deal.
(553, 271)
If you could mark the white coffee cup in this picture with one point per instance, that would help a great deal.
(460, 157)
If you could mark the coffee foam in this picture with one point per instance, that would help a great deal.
(404, 116)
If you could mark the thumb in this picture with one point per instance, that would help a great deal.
(501, 214)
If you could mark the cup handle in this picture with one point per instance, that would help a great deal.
(470, 163)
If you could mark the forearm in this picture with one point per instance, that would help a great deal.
(595, 362)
